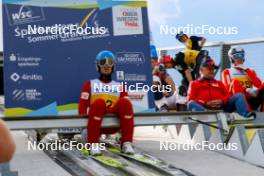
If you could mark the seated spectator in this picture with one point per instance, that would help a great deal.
(7, 144)
(161, 104)
(166, 82)
(207, 93)
(169, 86)
(240, 79)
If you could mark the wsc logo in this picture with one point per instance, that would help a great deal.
(21, 14)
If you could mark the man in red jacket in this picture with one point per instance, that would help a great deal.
(240, 79)
(208, 93)
(104, 96)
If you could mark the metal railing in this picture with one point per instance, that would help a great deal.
(218, 44)
(140, 119)
(218, 51)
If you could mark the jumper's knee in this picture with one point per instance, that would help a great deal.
(99, 103)
(125, 102)
(125, 107)
(97, 109)
(236, 87)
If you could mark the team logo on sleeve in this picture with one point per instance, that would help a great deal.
(85, 95)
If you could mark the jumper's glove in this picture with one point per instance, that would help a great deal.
(252, 91)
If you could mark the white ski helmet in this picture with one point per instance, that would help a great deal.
(236, 53)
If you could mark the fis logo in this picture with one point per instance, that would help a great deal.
(21, 14)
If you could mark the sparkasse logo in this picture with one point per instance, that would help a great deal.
(21, 14)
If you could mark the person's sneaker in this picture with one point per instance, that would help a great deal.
(115, 138)
(251, 115)
(78, 138)
(95, 149)
(231, 117)
(127, 148)
(237, 117)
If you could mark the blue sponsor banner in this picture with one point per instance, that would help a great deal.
(50, 50)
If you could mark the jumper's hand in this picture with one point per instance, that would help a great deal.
(214, 104)
(252, 91)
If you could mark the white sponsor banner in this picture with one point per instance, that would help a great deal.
(127, 20)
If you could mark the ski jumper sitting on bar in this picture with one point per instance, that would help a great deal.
(103, 96)
(240, 79)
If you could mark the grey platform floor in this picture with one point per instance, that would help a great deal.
(33, 163)
(201, 163)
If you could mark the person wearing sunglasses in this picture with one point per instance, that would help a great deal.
(102, 96)
(207, 93)
(240, 79)
(192, 42)
(169, 86)
(188, 61)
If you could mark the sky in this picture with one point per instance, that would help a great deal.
(245, 15)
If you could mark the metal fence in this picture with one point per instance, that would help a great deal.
(218, 51)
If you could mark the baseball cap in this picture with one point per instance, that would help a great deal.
(208, 62)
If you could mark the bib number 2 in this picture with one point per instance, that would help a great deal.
(109, 103)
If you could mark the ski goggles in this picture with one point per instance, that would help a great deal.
(181, 36)
(239, 56)
(106, 62)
